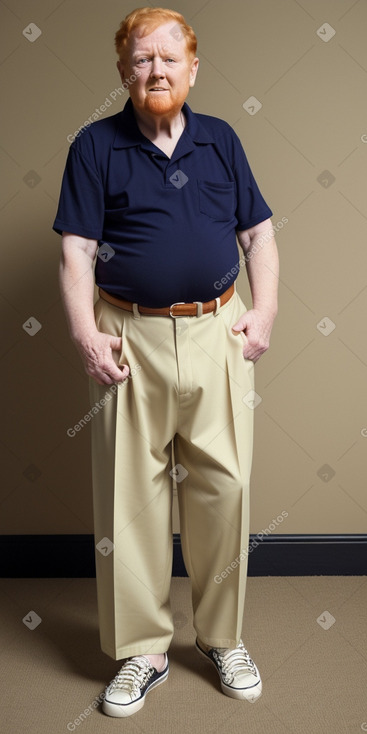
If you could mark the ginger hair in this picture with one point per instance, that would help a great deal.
(147, 20)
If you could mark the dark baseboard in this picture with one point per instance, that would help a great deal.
(72, 556)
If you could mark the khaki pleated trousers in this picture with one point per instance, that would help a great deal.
(187, 386)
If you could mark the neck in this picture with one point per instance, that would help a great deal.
(154, 126)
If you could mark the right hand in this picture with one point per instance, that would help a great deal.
(99, 363)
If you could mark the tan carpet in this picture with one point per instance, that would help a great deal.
(315, 679)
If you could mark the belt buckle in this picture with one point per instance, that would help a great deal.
(178, 303)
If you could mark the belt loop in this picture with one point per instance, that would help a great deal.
(199, 308)
(217, 306)
(136, 312)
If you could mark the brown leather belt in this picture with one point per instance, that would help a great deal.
(175, 310)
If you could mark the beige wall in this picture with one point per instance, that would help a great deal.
(313, 119)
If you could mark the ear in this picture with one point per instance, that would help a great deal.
(193, 71)
(121, 70)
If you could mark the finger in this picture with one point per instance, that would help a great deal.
(116, 343)
(250, 352)
(124, 371)
(117, 373)
(101, 378)
(109, 373)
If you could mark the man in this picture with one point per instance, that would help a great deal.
(163, 192)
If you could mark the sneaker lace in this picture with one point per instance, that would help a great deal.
(234, 662)
(132, 676)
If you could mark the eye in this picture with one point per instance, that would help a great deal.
(171, 61)
(143, 60)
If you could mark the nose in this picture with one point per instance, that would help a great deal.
(157, 70)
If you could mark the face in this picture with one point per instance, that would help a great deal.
(166, 71)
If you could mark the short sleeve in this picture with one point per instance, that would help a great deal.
(251, 206)
(81, 203)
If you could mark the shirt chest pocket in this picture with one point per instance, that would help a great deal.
(217, 200)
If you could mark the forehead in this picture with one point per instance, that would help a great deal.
(164, 37)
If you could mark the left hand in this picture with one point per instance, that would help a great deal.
(256, 327)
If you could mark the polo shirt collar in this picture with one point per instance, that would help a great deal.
(128, 134)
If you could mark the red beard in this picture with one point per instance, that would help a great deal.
(166, 103)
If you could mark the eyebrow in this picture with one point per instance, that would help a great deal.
(146, 52)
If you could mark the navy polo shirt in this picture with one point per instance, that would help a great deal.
(166, 227)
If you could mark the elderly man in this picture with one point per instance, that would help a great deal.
(159, 193)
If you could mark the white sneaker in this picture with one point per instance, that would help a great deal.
(239, 676)
(125, 695)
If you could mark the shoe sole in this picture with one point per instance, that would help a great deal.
(121, 710)
(250, 694)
